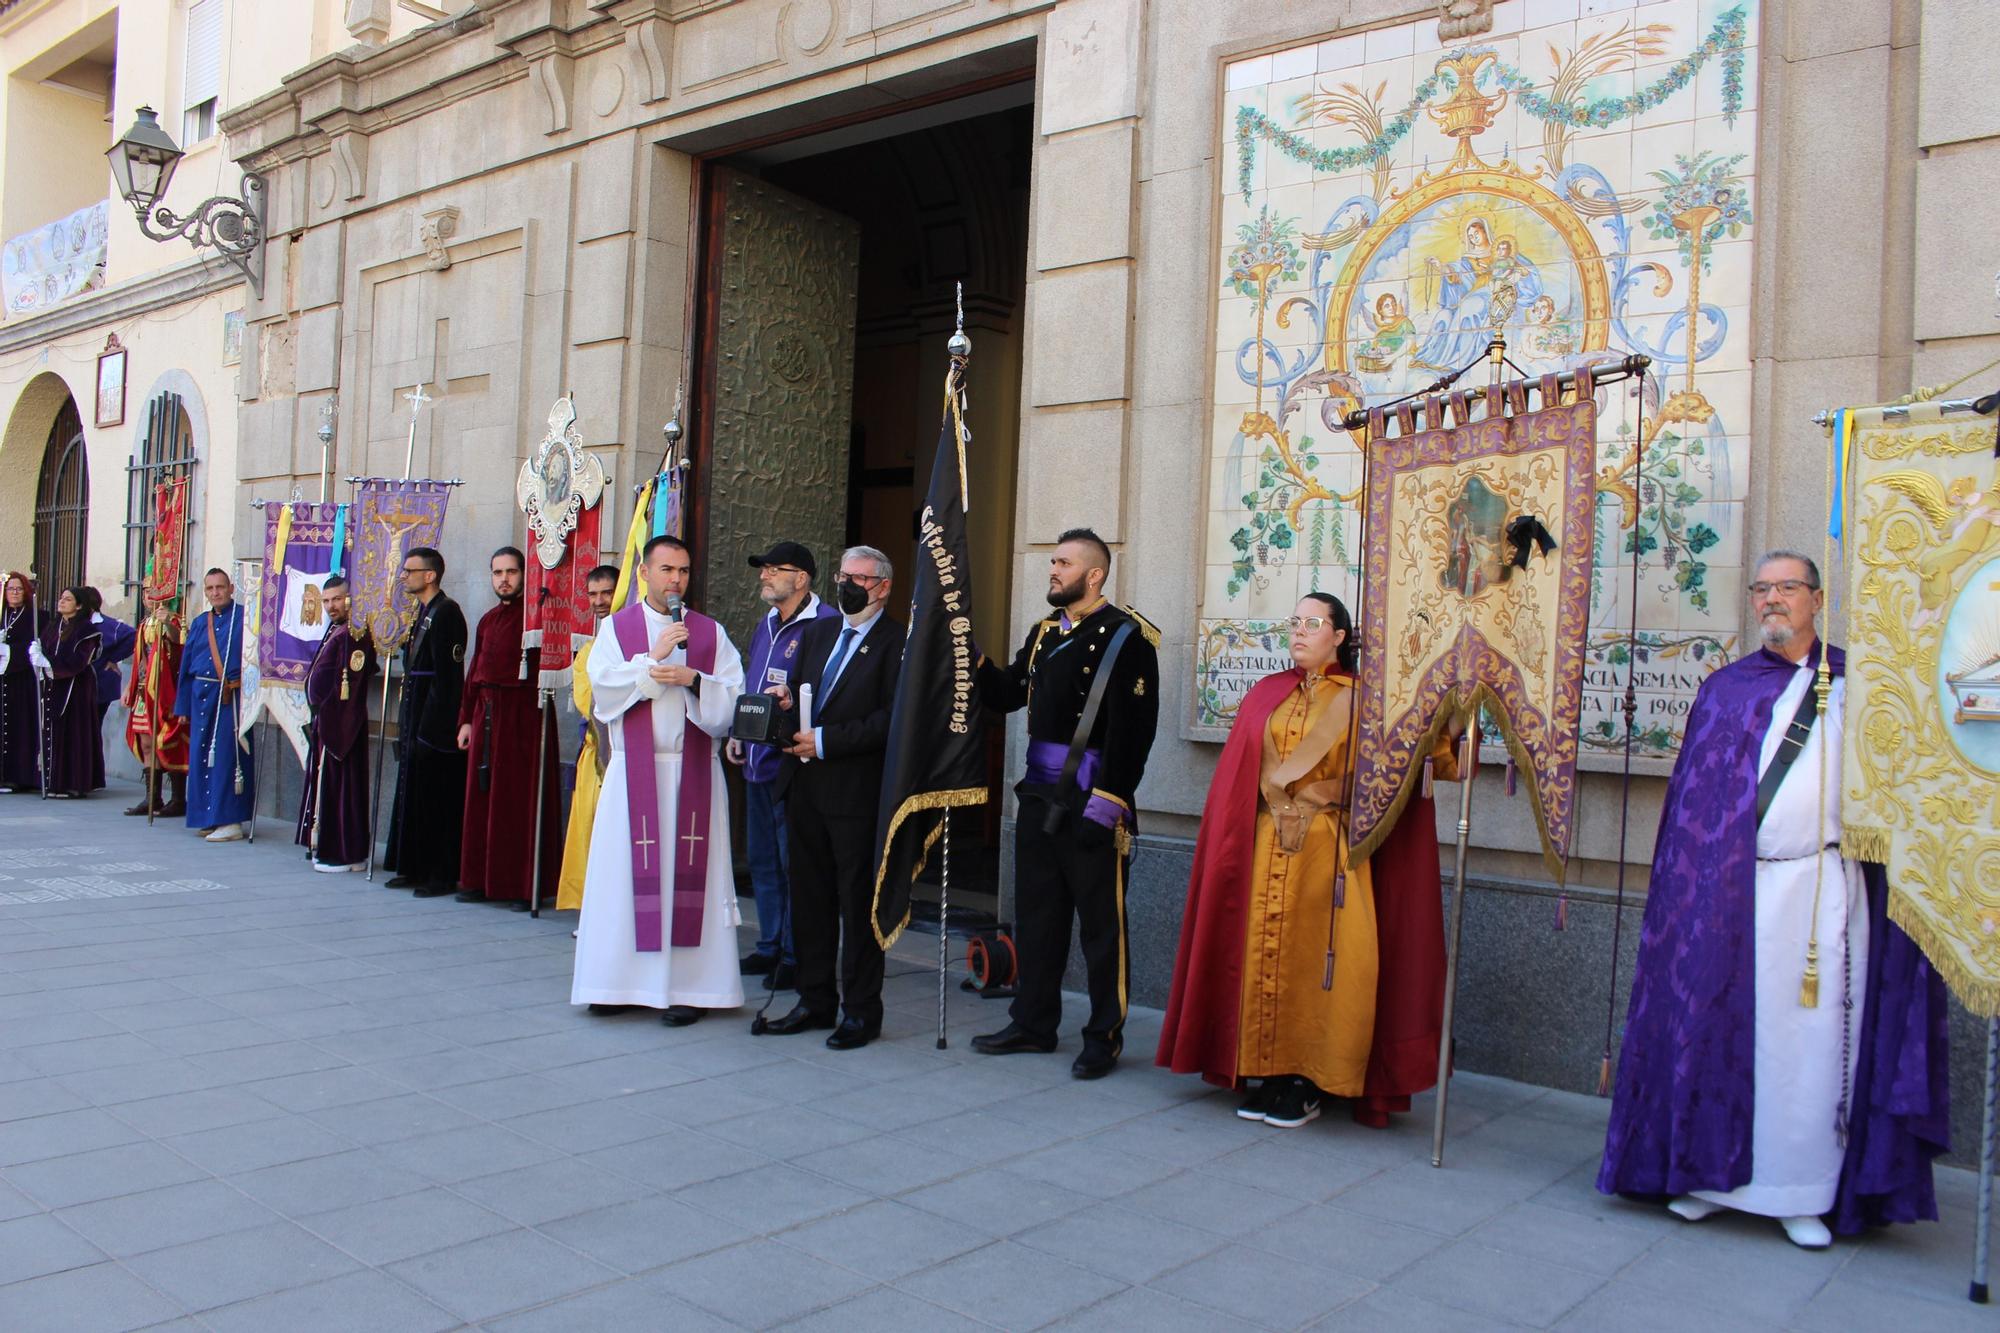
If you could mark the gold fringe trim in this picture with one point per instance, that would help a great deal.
(929, 800)
(1552, 857)
(1978, 992)
(1865, 844)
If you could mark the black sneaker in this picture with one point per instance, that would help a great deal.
(758, 964)
(1258, 1102)
(1295, 1104)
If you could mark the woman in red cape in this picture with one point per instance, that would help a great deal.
(1249, 999)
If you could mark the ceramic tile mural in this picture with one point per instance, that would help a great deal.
(1582, 178)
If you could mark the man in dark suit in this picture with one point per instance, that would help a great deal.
(831, 783)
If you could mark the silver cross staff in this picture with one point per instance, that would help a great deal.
(416, 398)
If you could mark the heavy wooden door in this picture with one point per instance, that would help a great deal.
(780, 370)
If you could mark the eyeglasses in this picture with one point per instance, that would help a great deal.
(867, 581)
(1784, 587)
(1314, 623)
(779, 569)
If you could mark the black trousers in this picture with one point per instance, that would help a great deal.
(1057, 877)
(833, 892)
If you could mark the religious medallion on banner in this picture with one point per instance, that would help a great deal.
(1921, 773)
(558, 489)
(390, 517)
(1478, 568)
(299, 557)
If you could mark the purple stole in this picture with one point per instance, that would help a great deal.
(642, 795)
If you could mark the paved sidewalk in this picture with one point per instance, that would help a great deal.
(238, 1095)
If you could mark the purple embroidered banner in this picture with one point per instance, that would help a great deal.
(390, 517)
(298, 559)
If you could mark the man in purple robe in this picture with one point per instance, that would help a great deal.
(1784, 1048)
(333, 812)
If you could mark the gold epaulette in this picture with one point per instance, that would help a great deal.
(1146, 627)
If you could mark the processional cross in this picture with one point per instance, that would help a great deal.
(416, 398)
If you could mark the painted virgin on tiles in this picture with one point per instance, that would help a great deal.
(1581, 184)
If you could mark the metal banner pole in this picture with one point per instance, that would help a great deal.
(944, 923)
(1469, 767)
(41, 695)
(1983, 1227)
(381, 745)
(546, 722)
(1468, 772)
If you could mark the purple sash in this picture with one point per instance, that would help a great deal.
(642, 795)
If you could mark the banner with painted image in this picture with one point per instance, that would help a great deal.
(1921, 786)
(299, 557)
(1478, 560)
(389, 517)
(559, 489)
(166, 552)
(56, 260)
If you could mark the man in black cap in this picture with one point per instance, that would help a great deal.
(1089, 676)
(785, 575)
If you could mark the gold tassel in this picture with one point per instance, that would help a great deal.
(343, 687)
(1427, 777)
(1604, 1077)
(1809, 984)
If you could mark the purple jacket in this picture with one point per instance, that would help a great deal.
(773, 659)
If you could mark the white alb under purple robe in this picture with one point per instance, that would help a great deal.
(1795, 1148)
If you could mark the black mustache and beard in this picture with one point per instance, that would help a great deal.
(1068, 594)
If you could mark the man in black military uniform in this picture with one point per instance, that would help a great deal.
(429, 813)
(1089, 677)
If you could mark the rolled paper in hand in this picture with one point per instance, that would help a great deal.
(806, 708)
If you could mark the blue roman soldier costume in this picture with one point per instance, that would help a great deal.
(221, 783)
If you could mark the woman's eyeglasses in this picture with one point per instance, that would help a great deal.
(1314, 623)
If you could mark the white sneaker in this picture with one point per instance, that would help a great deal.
(325, 869)
(226, 833)
(1808, 1233)
(1690, 1209)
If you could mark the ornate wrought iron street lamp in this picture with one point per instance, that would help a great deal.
(142, 165)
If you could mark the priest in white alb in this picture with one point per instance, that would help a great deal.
(658, 924)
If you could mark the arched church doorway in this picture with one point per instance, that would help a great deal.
(62, 503)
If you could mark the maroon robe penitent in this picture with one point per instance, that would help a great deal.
(497, 855)
(336, 791)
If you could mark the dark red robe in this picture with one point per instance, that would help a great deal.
(1203, 1009)
(336, 788)
(504, 711)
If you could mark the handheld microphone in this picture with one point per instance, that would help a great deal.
(674, 606)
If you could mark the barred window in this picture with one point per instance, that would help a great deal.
(165, 452)
(62, 505)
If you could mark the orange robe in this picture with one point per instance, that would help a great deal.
(1291, 1022)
